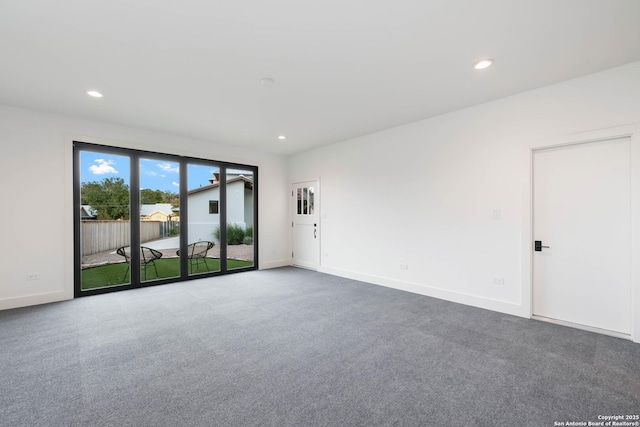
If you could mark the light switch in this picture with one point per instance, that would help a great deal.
(496, 214)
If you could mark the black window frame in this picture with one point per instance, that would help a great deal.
(134, 190)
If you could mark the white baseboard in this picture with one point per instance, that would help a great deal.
(34, 299)
(582, 327)
(275, 264)
(431, 291)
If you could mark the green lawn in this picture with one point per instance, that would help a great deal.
(113, 274)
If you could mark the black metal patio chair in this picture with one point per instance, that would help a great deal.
(197, 252)
(147, 259)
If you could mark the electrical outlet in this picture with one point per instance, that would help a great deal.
(33, 276)
(498, 280)
(496, 214)
(404, 267)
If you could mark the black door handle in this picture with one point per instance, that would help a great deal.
(538, 246)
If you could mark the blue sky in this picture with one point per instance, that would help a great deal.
(154, 174)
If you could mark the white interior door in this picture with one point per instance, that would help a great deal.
(581, 216)
(305, 225)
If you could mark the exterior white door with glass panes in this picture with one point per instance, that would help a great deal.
(305, 225)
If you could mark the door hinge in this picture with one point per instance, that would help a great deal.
(291, 193)
(291, 254)
(291, 224)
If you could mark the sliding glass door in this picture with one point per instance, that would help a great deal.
(159, 206)
(103, 224)
(240, 201)
(203, 207)
(192, 218)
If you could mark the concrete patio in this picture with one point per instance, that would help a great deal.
(168, 246)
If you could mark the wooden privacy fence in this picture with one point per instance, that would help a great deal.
(103, 236)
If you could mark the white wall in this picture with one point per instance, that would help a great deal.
(423, 194)
(235, 203)
(248, 207)
(37, 227)
(202, 224)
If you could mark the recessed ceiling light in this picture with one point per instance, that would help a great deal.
(94, 93)
(481, 65)
(282, 137)
(267, 81)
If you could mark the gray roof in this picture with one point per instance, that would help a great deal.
(87, 211)
(248, 183)
(165, 208)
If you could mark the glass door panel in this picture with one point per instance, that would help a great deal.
(240, 221)
(149, 218)
(159, 219)
(104, 220)
(203, 207)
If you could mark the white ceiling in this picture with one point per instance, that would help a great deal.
(342, 68)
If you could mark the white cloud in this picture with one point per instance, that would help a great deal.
(176, 184)
(152, 173)
(103, 167)
(167, 167)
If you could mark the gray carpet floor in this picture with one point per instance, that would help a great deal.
(291, 347)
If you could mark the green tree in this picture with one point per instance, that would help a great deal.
(173, 198)
(150, 197)
(109, 197)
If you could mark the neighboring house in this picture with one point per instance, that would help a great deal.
(158, 212)
(204, 206)
(87, 212)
